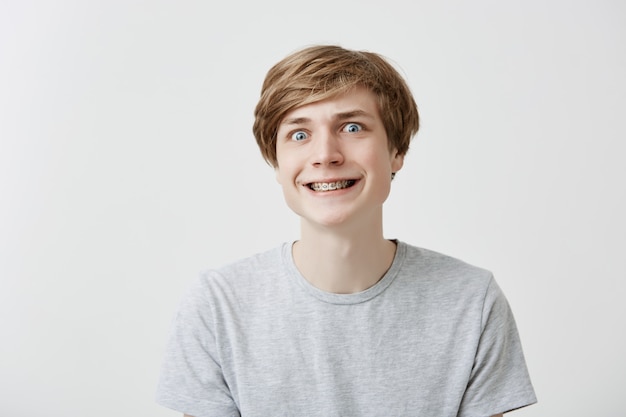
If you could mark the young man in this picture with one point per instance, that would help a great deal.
(342, 322)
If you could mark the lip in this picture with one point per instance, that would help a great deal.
(307, 182)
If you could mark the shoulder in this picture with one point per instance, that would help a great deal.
(258, 262)
(430, 265)
(440, 282)
(245, 277)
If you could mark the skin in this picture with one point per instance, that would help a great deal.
(497, 415)
(342, 138)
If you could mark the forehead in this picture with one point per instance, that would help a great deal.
(356, 102)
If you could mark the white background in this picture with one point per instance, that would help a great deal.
(127, 165)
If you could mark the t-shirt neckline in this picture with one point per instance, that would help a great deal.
(353, 298)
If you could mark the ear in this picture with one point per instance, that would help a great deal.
(397, 161)
(277, 174)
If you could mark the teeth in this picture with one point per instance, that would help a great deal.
(330, 186)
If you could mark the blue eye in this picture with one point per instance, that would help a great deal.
(299, 135)
(352, 128)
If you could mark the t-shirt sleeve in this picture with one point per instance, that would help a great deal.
(499, 381)
(191, 379)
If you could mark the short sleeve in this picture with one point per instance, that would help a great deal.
(499, 381)
(191, 379)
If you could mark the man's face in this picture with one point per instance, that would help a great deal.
(334, 162)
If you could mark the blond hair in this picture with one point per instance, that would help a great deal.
(320, 72)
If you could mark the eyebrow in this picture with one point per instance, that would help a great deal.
(338, 117)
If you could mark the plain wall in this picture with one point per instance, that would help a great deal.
(127, 165)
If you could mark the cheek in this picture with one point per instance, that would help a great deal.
(380, 162)
(286, 167)
(290, 192)
(286, 173)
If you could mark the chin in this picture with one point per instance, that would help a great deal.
(326, 220)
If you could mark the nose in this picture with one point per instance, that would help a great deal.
(327, 150)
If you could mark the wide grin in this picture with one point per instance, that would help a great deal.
(331, 186)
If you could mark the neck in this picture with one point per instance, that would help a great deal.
(343, 260)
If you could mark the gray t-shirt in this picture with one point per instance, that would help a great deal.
(434, 337)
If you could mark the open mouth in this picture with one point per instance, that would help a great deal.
(331, 186)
